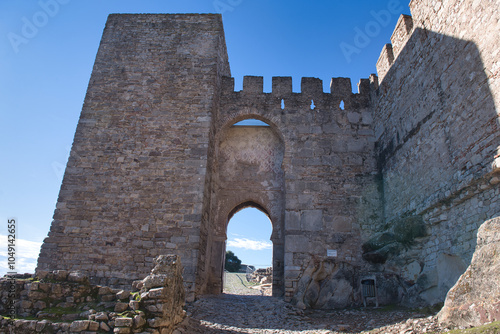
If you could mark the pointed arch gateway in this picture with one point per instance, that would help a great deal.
(259, 226)
(247, 172)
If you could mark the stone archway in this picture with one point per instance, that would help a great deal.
(247, 171)
(278, 250)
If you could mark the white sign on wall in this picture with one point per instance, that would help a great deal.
(331, 252)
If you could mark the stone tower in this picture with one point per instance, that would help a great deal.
(134, 185)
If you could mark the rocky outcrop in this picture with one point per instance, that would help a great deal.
(326, 284)
(475, 298)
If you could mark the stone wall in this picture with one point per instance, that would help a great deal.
(134, 186)
(65, 302)
(328, 167)
(437, 129)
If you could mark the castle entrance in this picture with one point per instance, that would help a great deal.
(247, 173)
(248, 240)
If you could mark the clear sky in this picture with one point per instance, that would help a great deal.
(47, 50)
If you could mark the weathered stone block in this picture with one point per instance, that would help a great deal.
(103, 326)
(292, 220)
(341, 87)
(134, 305)
(121, 307)
(78, 277)
(79, 326)
(311, 87)
(123, 294)
(34, 286)
(25, 304)
(122, 330)
(342, 224)
(93, 326)
(296, 243)
(139, 321)
(101, 316)
(40, 305)
(40, 326)
(311, 220)
(61, 275)
(104, 290)
(124, 322)
(108, 298)
(353, 117)
(156, 293)
(282, 86)
(253, 85)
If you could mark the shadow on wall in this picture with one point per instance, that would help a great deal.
(437, 138)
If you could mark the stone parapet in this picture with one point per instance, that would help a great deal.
(282, 86)
(401, 34)
(385, 61)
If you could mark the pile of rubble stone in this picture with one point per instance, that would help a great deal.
(262, 276)
(65, 302)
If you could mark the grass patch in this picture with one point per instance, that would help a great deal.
(19, 318)
(391, 308)
(243, 278)
(127, 314)
(430, 310)
(492, 328)
(31, 279)
(60, 310)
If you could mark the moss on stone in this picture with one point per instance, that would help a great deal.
(136, 296)
(60, 310)
(399, 233)
(406, 230)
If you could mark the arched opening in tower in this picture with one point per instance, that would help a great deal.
(248, 263)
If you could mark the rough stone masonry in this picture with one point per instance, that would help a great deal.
(390, 184)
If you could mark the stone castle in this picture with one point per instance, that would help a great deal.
(391, 183)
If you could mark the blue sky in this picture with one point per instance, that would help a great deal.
(248, 235)
(47, 50)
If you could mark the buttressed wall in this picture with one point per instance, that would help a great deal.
(393, 184)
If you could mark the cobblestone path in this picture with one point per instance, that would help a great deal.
(236, 284)
(231, 314)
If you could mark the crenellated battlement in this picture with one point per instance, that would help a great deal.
(401, 34)
(390, 52)
(310, 87)
(311, 106)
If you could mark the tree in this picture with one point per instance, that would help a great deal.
(233, 264)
